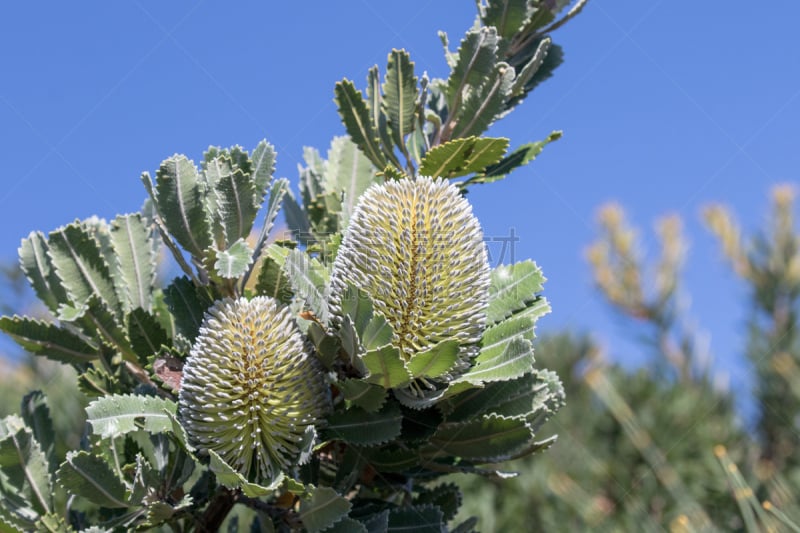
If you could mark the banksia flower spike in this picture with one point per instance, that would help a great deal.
(251, 390)
(417, 250)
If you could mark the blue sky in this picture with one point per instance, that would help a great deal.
(665, 106)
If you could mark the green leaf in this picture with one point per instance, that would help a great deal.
(399, 96)
(434, 362)
(113, 416)
(234, 480)
(263, 159)
(89, 476)
(386, 367)
(237, 201)
(36, 415)
(44, 338)
(145, 333)
(355, 116)
(487, 439)
(187, 303)
(323, 509)
(296, 219)
(419, 519)
(233, 262)
(497, 337)
(362, 428)
(446, 497)
(485, 103)
(519, 157)
(463, 156)
(25, 466)
(309, 281)
(368, 396)
(526, 74)
(348, 172)
(477, 55)
(515, 360)
(97, 382)
(513, 288)
(279, 189)
(507, 16)
(372, 328)
(134, 270)
(347, 525)
(272, 278)
(80, 265)
(180, 200)
(38, 268)
(98, 322)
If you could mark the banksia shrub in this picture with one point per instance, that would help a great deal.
(250, 390)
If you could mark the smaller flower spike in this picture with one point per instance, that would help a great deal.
(251, 389)
(417, 250)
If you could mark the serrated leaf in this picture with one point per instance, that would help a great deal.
(488, 438)
(347, 525)
(263, 161)
(309, 281)
(371, 326)
(89, 476)
(97, 382)
(278, 190)
(134, 270)
(26, 467)
(98, 322)
(53, 523)
(145, 333)
(512, 288)
(80, 265)
(272, 278)
(359, 427)
(187, 303)
(515, 360)
(44, 338)
(519, 157)
(530, 69)
(234, 480)
(476, 58)
(399, 96)
(113, 416)
(296, 219)
(348, 172)
(463, 156)
(323, 509)
(356, 118)
(233, 262)
(446, 497)
(237, 203)
(368, 396)
(386, 367)
(419, 519)
(38, 268)
(496, 338)
(507, 398)
(484, 104)
(36, 415)
(434, 362)
(507, 16)
(180, 200)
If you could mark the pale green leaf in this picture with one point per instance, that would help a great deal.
(80, 265)
(117, 415)
(486, 439)
(496, 338)
(356, 118)
(234, 480)
(98, 322)
(530, 69)
(233, 262)
(476, 58)
(272, 279)
(297, 219)
(399, 95)
(513, 288)
(434, 362)
(236, 201)
(36, 414)
(386, 367)
(348, 172)
(180, 200)
(26, 467)
(463, 156)
(515, 360)
(278, 190)
(507, 16)
(359, 427)
(91, 477)
(309, 281)
(371, 326)
(38, 268)
(323, 509)
(44, 338)
(263, 159)
(134, 270)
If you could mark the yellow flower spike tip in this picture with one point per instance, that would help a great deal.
(416, 249)
(251, 389)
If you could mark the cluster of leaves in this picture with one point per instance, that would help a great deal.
(664, 448)
(376, 459)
